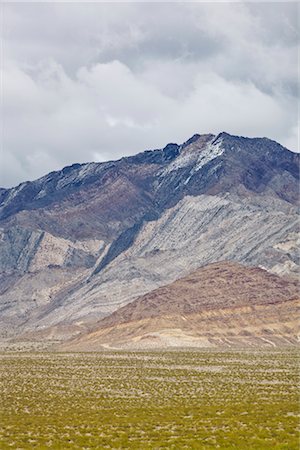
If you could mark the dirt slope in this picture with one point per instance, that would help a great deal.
(223, 304)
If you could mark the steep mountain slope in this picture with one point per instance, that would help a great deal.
(78, 243)
(198, 230)
(219, 304)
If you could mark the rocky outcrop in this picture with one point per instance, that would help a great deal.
(24, 250)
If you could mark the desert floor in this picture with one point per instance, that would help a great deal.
(242, 399)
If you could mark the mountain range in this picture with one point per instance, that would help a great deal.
(79, 244)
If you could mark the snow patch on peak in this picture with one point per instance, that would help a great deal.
(77, 175)
(185, 159)
(212, 151)
(197, 157)
(86, 169)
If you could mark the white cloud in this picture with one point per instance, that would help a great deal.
(101, 81)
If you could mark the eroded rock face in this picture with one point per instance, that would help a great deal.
(197, 231)
(24, 250)
(104, 233)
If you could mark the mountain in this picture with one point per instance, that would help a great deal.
(223, 304)
(77, 244)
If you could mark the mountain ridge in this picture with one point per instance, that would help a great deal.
(192, 139)
(92, 237)
(166, 154)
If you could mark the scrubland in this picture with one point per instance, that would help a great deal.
(150, 400)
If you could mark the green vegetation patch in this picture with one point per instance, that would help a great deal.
(150, 400)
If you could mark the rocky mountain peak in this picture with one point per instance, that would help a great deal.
(79, 242)
(204, 163)
(171, 151)
(194, 138)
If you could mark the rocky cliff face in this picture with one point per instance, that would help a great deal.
(78, 243)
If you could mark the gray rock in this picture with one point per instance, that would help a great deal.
(78, 243)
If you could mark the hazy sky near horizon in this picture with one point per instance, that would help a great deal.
(97, 81)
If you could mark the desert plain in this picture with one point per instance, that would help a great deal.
(168, 399)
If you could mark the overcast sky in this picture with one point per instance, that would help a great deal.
(96, 81)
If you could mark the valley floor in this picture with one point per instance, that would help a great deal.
(208, 399)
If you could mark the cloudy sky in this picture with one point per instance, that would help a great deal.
(96, 81)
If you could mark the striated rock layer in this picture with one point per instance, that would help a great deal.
(79, 243)
(222, 304)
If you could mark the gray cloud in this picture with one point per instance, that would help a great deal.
(97, 81)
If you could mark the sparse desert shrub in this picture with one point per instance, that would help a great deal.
(150, 400)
